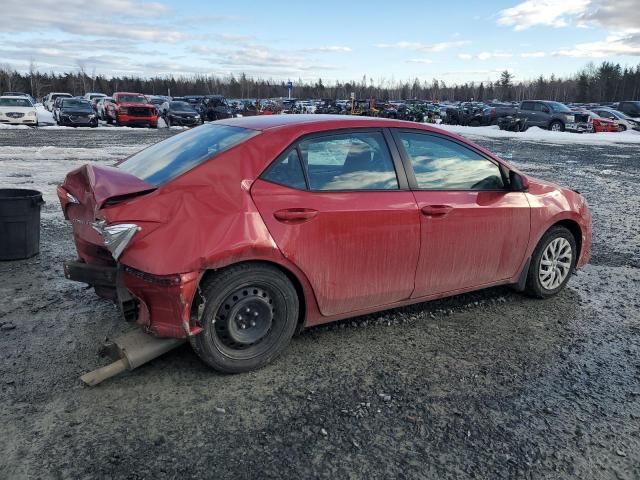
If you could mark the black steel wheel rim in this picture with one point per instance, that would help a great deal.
(245, 317)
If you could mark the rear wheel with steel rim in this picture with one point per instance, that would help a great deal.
(552, 263)
(249, 316)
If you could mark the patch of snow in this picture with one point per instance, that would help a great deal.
(4, 126)
(535, 134)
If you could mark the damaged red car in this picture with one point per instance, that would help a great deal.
(239, 233)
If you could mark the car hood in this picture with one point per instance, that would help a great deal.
(71, 111)
(184, 112)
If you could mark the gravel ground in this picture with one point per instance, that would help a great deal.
(486, 385)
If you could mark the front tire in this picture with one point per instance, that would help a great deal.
(552, 263)
(556, 126)
(250, 314)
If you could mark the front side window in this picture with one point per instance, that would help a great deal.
(559, 107)
(349, 161)
(176, 155)
(441, 164)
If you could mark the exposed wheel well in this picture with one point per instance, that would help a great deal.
(290, 275)
(575, 230)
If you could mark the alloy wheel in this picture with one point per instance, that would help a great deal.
(555, 263)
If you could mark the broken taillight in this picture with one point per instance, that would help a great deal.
(116, 237)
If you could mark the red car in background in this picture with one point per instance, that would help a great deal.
(238, 233)
(131, 109)
(591, 122)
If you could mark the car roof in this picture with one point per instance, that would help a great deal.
(267, 122)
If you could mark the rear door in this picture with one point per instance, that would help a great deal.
(527, 111)
(474, 230)
(338, 207)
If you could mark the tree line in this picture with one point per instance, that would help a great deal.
(595, 83)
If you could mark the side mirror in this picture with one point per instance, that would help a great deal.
(518, 182)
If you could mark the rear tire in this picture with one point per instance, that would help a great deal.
(622, 128)
(250, 314)
(552, 263)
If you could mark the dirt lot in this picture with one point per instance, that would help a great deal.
(485, 385)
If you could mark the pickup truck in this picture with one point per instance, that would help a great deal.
(554, 116)
(131, 109)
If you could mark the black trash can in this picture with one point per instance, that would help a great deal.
(19, 223)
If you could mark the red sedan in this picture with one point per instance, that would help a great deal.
(240, 232)
(601, 124)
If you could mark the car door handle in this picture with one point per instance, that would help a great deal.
(295, 215)
(436, 210)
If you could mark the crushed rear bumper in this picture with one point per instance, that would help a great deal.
(161, 305)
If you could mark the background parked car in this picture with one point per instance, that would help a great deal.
(55, 106)
(51, 97)
(623, 121)
(630, 108)
(158, 101)
(16, 110)
(554, 116)
(100, 107)
(180, 113)
(76, 113)
(214, 107)
(590, 122)
(131, 109)
(92, 95)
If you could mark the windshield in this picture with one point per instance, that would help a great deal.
(174, 156)
(180, 105)
(15, 102)
(57, 95)
(559, 107)
(78, 104)
(132, 98)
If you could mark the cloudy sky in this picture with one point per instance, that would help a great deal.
(454, 40)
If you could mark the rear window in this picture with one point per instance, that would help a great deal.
(174, 156)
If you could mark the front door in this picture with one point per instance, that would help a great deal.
(335, 207)
(474, 231)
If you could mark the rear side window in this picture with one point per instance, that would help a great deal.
(287, 171)
(349, 161)
(527, 106)
(174, 156)
(441, 164)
